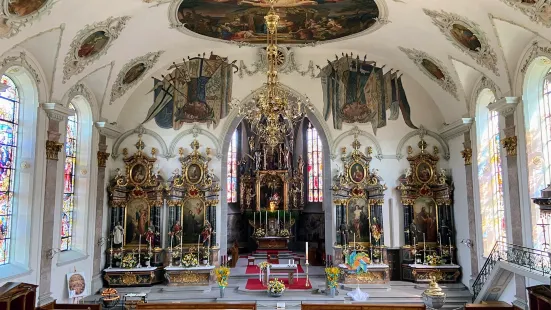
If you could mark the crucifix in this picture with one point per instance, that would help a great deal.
(544, 226)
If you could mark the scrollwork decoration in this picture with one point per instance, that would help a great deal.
(537, 11)
(11, 24)
(286, 62)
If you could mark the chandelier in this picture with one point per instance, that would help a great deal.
(271, 114)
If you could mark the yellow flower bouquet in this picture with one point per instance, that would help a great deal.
(276, 288)
(264, 265)
(222, 275)
(332, 275)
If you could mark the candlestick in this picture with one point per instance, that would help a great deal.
(198, 242)
(306, 250)
(266, 230)
(254, 214)
(354, 244)
(111, 256)
(278, 220)
(260, 218)
(451, 254)
(171, 242)
(424, 251)
(139, 251)
(284, 226)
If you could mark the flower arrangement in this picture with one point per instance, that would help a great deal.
(376, 253)
(259, 233)
(222, 275)
(376, 230)
(264, 265)
(276, 287)
(332, 276)
(434, 260)
(128, 261)
(117, 255)
(190, 260)
(284, 233)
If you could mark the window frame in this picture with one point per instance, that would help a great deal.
(237, 135)
(319, 177)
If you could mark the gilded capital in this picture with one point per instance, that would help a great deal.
(102, 159)
(52, 149)
(510, 144)
(467, 155)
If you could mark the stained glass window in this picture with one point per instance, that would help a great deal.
(492, 209)
(315, 165)
(538, 151)
(71, 141)
(9, 117)
(232, 168)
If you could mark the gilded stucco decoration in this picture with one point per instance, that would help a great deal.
(91, 43)
(16, 14)
(538, 11)
(133, 72)
(285, 60)
(467, 36)
(433, 68)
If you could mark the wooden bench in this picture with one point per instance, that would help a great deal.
(489, 305)
(55, 305)
(206, 305)
(307, 306)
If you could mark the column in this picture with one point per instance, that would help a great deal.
(106, 130)
(57, 115)
(506, 108)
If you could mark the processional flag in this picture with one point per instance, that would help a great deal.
(196, 90)
(357, 91)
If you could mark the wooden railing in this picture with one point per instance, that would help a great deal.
(55, 305)
(306, 306)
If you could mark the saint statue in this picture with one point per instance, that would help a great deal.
(344, 234)
(177, 232)
(150, 235)
(206, 233)
(118, 233)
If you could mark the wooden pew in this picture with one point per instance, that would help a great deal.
(307, 306)
(15, 295)
(55, 305)
(190, 305)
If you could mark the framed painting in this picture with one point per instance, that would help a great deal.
(194, 173)
(76, 284)
(22, 8)
(424, 172)
(136, 221)
(357, 172)
(138, 174)
(357, 218)
(193, 219)
(425, 220)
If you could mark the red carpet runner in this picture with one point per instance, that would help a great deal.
(300, 284)
(256, 270)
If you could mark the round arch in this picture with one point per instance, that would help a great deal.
(317, 121)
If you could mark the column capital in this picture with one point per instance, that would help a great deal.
(467, 155)
(108, 130)
(456, 128)
(57, 111)
(52, 149)
(505, 106)
(510, 144)
(102, 159)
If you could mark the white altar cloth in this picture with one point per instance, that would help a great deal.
(421, 266)
(368, 266)
(177, 268)
(129, 269)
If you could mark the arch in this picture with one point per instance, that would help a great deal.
(316, 119)
(421, 132)
(482, 83)
(82, 90)
(195, 131)
(17, 60)
(143, 131)
(356, 131)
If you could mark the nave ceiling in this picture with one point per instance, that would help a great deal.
(423, 39)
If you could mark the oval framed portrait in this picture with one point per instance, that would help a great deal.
(138, 174)
(357, 172)
(424, 172)
(433, 69)
(466, 37)
(134, 73)
(94, 43)
(22, 8)
(194, 173)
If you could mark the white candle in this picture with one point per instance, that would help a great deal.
(260, 217)
(354, 241)
(266, 222)
(284, 219)
(171, 243)
(306, 250)
(254, 219)
(140, 244)
(278, 220)
(423, 239)
(198, 242)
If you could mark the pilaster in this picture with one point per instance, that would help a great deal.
(506, 107)
(467, 154)
(57, 114)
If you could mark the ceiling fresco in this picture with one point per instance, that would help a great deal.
(301, 21)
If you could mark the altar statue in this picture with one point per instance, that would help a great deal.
(118, 233)
(344, 234)
(206, 233)
(150, 235)
(177, 232)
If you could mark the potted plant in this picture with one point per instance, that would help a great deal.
(190, 260)
(332, 276)
(128, 261)
(222, 275)
(276, 288)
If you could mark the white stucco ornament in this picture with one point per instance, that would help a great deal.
(14, 16)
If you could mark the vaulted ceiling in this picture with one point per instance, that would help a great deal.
(405, 33)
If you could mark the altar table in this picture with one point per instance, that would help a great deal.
(144, 276)
(189, 276)
(272, 243)
(422, 273)
(290, 269)
(375, 274)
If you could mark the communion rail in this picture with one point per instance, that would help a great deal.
(535, 260)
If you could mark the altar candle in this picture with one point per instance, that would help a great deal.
(284, 219)
(278, 220)
(266, 222)
(354, 244)
(260, 218)
(140, 244)
(306, 250)
(423, 239)
(198, 241)
(170, 242)
(255, 219)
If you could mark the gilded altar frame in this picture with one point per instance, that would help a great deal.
(260, 178)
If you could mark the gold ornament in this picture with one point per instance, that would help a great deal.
(52, 149)
(102, 159)
(467, 155)
(510, 144)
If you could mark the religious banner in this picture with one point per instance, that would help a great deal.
(196, 90)
(356, 91)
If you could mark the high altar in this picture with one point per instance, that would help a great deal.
(138, 254)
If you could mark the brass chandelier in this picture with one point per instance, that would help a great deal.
(271, 114)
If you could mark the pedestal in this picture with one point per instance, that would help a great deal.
(189, 276)
(145, 276)
(272, 243)
(374, 274)
(422, 273)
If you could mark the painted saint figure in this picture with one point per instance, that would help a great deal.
(357, 216)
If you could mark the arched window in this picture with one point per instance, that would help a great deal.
(71, 142)
(232, 168)
(315, 165)
(9, 119)
(490, 185)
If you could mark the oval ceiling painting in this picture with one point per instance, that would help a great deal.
(301, 21)
(93, 44)
(134, 73)
(433, 69)
(25, 7)
(466, 37)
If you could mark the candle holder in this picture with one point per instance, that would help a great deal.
(170, 257)
(110, 258)
(307, 276)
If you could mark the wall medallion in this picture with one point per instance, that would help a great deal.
(132, 73)
(91, 43)
(433, 69)
(15, 14)
(538, 11)
(467, 36)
